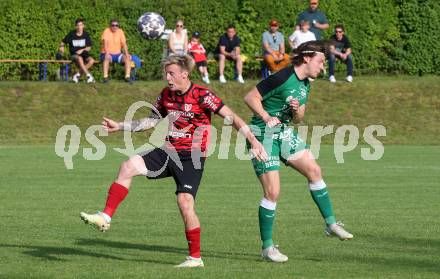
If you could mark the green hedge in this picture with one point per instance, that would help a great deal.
(397, 36)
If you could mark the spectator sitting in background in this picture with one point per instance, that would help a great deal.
(79, 47)
(229, 49)
(301, 36)
(178, 40)
(274, 50)
(199, 53)
(112, 42)
(317, 19)
(340, 49)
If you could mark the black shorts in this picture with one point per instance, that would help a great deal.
(217, 57)
(160, 165)
(85, 56)
(201, 64)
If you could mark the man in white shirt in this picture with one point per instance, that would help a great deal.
(301, 36)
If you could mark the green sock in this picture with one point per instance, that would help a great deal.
(266, 218)
(322, 200)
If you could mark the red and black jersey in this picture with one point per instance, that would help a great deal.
(192, 113)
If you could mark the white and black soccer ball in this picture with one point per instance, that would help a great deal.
(151, 25)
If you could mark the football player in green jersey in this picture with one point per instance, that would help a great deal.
(276, 101)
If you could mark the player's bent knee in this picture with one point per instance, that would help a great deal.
(132, 167)
(125, 170)
(272, 196)
(314, 172)
(185, 201)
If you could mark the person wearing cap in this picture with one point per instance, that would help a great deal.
(317, 19)
(274, 50)
(198, 52)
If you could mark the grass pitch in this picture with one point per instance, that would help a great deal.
(391, 206)
(408, 106)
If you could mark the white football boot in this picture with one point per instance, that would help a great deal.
(332, 79)
(90, 79)
(240, 79)
(349, 79)
(222, 79)
(75, 78)
(97, 220)
(273, 254)
(338, 230)
(191, 262)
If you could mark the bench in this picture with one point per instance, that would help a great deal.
(64, 74)
(42, 67)
(264, 69)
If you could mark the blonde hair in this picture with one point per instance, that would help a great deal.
(185, 62)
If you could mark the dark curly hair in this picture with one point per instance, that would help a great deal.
(308, 49)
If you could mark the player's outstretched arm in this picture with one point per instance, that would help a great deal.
(257, 149)
(133, 126)
(253, 100)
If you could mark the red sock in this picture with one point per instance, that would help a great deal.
(116, 194)
(193, 237)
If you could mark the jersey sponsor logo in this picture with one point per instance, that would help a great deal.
(188, 107)
(270, 163)
(284, 135)
(292, 92)
(209, 100)
(295, 142)
(303, 92)
(170, 104)
(187, 186)
(178, 134)
(179, 113)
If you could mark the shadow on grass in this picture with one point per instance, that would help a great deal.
(406, 253)
(166, 249)
(56, 253)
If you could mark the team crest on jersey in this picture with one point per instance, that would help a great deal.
(188, 107)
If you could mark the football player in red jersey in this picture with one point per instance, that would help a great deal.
(182, 156)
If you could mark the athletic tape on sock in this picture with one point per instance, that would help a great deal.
(107, 218)
(268, 204)
(317, 185)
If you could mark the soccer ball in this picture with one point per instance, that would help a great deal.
(151, 25)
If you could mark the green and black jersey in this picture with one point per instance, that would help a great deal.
(277, 91)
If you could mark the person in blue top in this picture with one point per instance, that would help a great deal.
(317, 19)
